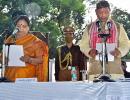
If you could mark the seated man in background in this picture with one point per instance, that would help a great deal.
(68, 55)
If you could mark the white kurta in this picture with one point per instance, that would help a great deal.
(112, 67)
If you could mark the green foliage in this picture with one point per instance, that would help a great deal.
(54, 15)
(122, 17)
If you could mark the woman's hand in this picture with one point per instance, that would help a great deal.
(31, 60)
(25, 59)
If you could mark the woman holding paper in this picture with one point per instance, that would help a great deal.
(35, 53)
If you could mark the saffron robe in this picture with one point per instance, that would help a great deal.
(33, 47)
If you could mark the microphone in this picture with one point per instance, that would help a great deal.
(109, 25)
(14, 34)
(98, 24)
(15, 31)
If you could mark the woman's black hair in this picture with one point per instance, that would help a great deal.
(22, 17)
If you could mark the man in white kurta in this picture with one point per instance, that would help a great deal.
(105, 25)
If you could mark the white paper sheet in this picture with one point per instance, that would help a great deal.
(15, 52)
(109, 46)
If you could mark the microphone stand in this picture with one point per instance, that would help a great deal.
(4, 62)
(84, 71)
(104, 77)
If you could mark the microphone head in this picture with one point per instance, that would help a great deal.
(109, 25)
(15, 30)
(98, 24)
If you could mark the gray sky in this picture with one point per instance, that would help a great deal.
(123, 4)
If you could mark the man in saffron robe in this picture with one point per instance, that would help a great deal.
(35, 54)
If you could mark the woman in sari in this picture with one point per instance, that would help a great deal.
(35, 54)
